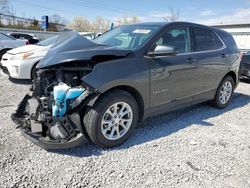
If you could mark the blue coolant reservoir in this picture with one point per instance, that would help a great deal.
(62, 93)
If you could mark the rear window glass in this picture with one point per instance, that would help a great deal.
(205, 40)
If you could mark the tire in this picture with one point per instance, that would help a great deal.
(96, 117)
(2, 53)
(218, 101)
(33, 74)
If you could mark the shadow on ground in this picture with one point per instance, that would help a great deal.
(164, 125)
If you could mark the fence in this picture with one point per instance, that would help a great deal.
(11, 21)
(39, 34)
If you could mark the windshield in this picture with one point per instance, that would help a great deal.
(127, 37)
(48, 41)
(6, 37)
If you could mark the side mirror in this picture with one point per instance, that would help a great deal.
(163, 51)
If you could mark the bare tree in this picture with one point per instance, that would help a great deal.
(7, 13)
(134, 19)
(173, 15)
(100, 24)
(127, 20)
(80, 23)
(57, 19)
(57, 22)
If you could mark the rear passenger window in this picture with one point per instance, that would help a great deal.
(205, 40)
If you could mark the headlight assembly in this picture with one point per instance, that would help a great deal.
(22, 56)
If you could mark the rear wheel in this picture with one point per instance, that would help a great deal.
(112, 119)
(224, 92)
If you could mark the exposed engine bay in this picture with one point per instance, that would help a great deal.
(52, 112)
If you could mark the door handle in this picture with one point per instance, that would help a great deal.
(191, 60)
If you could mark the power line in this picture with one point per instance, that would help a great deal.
(43, 7)
(97, 6)
(101, 4)
(104, 7)
(86, 3)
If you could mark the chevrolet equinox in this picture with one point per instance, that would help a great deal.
(101, 89)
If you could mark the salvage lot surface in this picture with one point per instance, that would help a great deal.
(196, 147)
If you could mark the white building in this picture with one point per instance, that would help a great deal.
(240, 32)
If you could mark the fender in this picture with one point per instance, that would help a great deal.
(132, 72)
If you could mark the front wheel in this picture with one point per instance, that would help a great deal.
(2, 53)
(112, 119)
(224, 92)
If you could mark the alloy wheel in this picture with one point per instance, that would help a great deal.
(116, 121)
(226, 92)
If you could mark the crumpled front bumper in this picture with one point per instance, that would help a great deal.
(38, 139)
(48, 145)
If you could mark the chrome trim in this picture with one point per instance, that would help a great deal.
(222, 48)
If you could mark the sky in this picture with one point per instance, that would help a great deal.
(200, 11)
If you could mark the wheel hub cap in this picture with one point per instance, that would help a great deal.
(116, 121)
(226, 92)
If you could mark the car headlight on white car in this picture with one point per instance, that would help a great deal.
(22, 56)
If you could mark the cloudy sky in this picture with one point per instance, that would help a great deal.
(201, 11)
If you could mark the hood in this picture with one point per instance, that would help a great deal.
(72, 47)
(23, 49)
(12, 43)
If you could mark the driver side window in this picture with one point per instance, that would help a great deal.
(178, 38)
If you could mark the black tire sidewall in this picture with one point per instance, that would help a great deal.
(2, 53)
(217, 102)
(33, 75)
(100, 108)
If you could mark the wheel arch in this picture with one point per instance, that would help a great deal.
(234, 76)
(3, 51)
(32, 68)
(132, 91)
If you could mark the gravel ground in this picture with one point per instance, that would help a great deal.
(196, 147)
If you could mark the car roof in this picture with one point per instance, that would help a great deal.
(163, 24)
(23, 33)
(151, 24)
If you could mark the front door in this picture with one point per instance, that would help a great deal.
(172, 77)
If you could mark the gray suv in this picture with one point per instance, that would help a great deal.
(101, 89)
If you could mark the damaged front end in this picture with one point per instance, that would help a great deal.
(51, 116)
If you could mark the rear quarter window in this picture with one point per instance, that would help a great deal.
(229, 41)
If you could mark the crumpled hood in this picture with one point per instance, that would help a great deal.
(72, 47)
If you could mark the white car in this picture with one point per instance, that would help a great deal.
(8, 42)
(20, 63)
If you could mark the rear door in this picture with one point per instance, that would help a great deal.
(212, 57)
